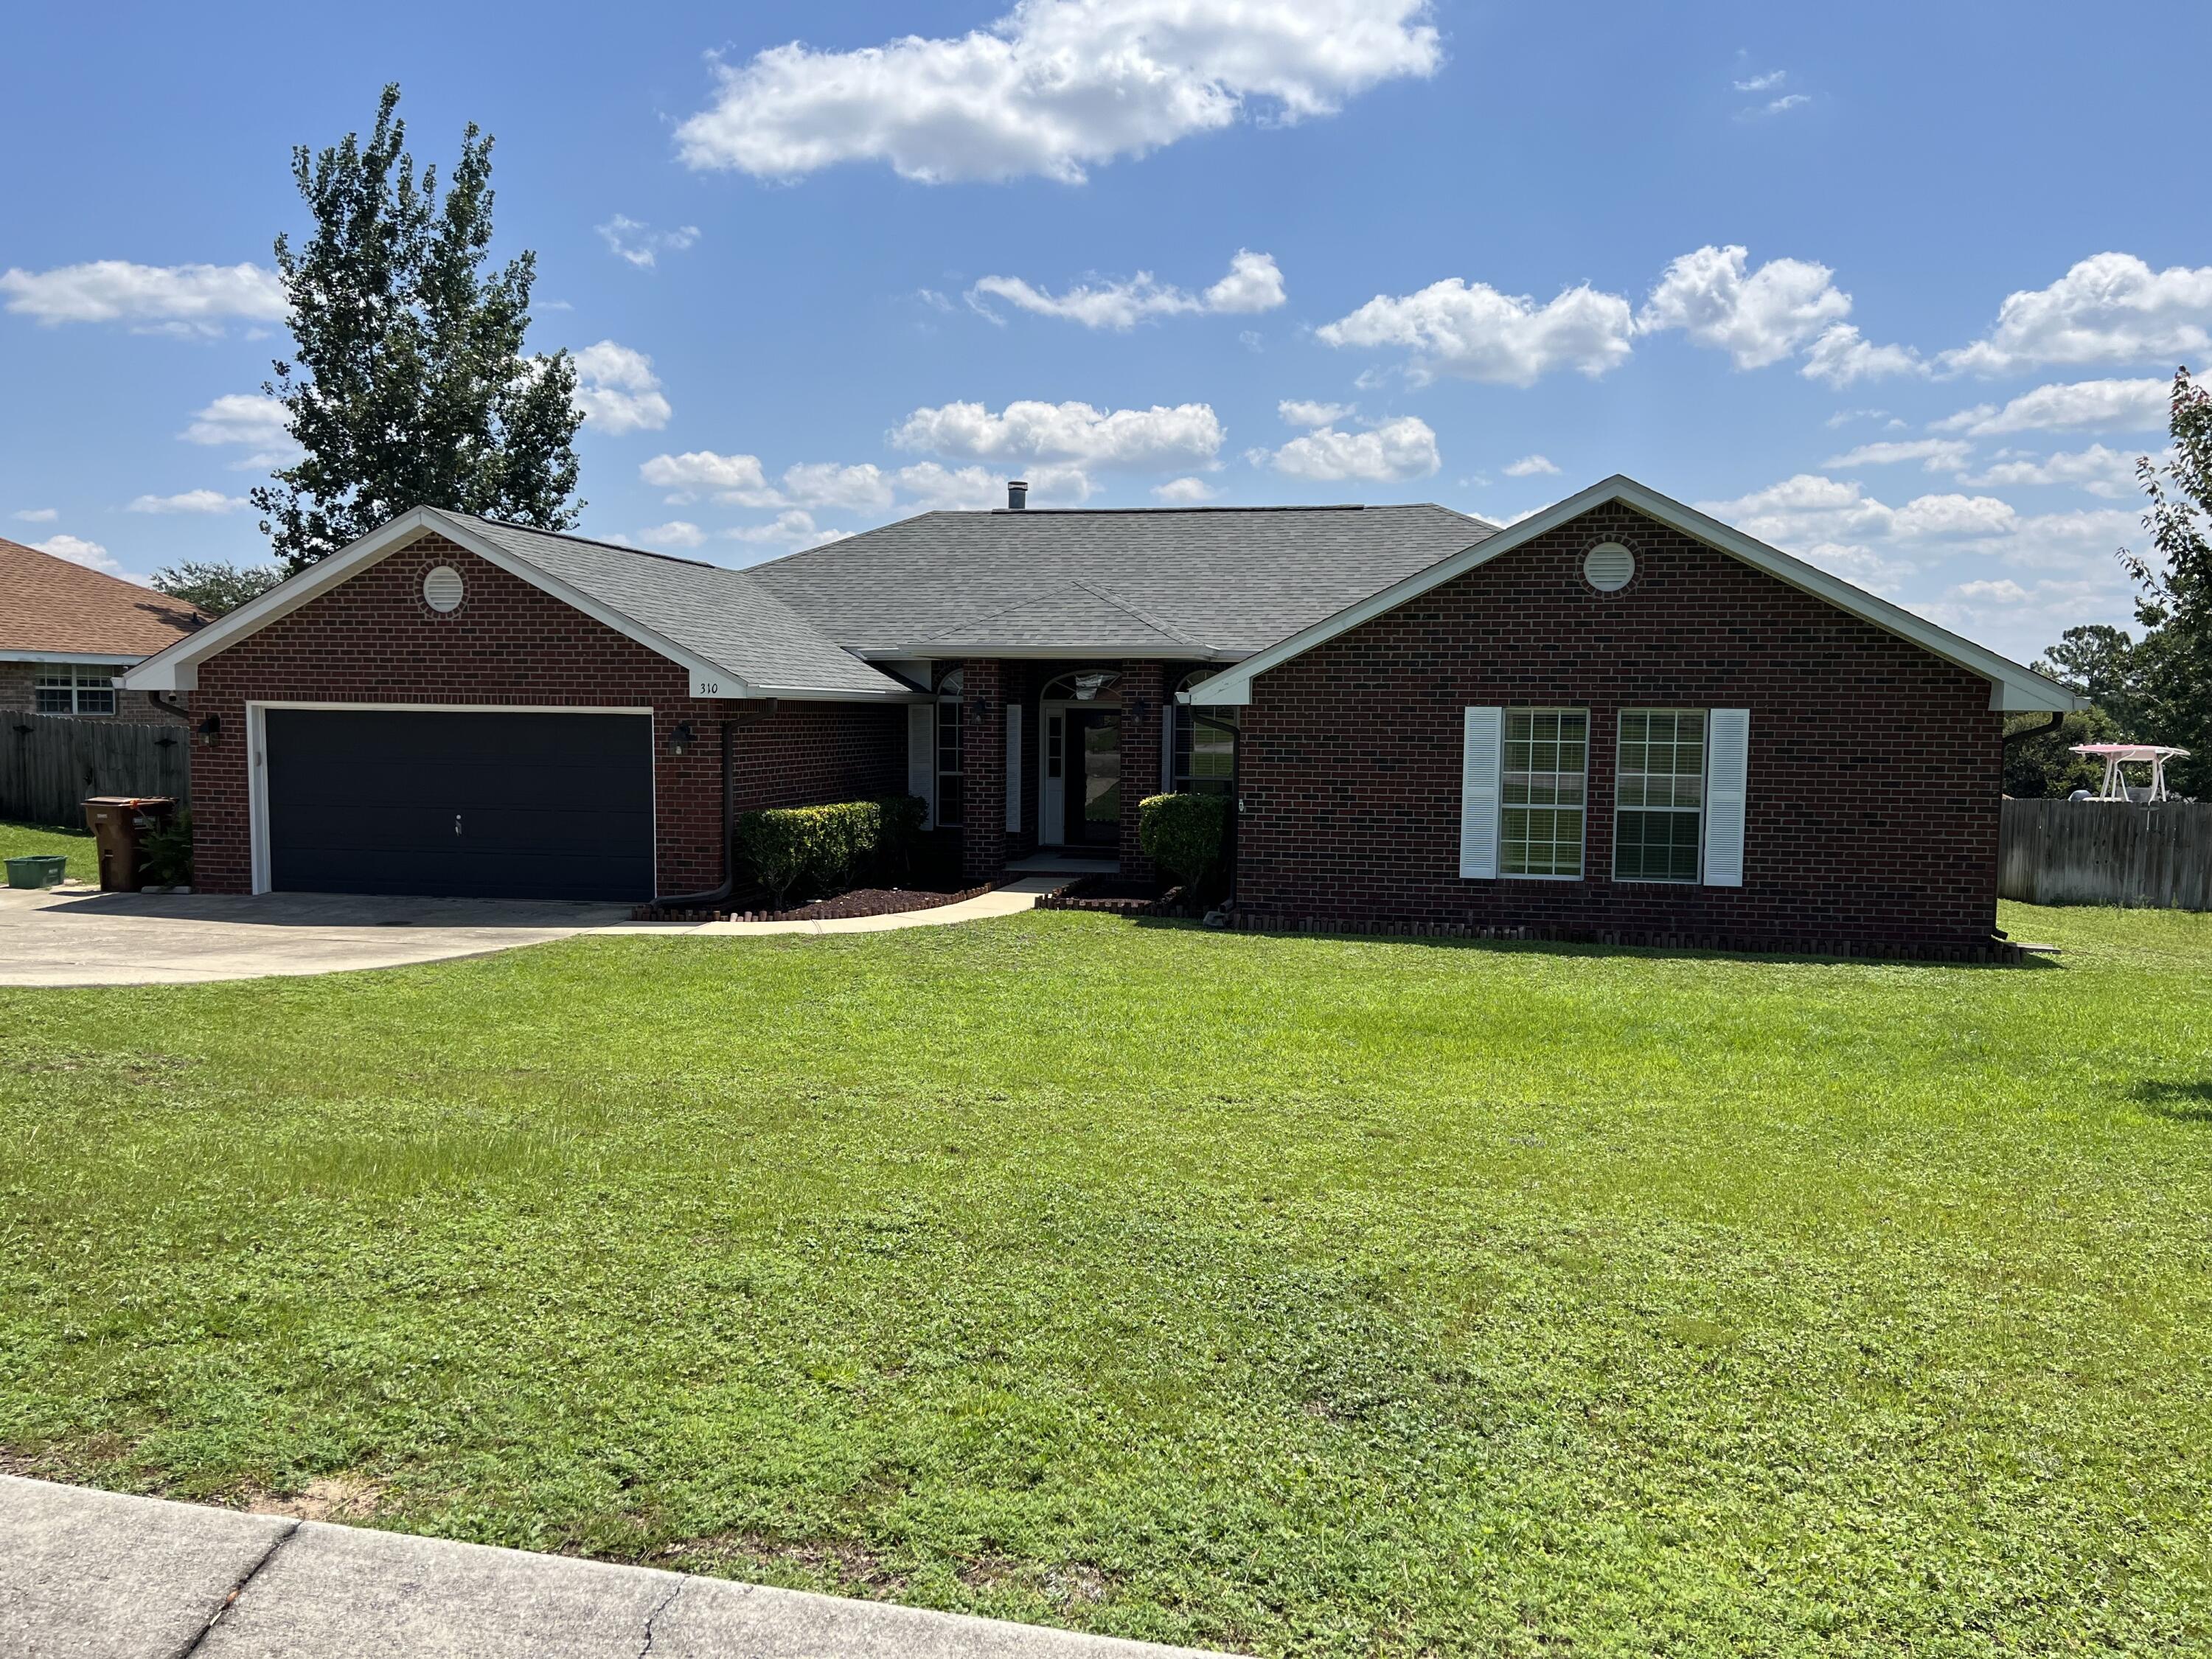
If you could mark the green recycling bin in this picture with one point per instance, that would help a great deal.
(37, 870)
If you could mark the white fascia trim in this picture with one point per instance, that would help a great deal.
(808, 694)
(76, 659)
(176, 669)
(2013, 687)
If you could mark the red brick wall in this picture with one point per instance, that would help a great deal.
(983, 693)
(372, 639)
(1873, 780)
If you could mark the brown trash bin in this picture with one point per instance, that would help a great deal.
(117, 822)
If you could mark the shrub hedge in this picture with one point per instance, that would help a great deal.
(824, 848)
(1187, 836)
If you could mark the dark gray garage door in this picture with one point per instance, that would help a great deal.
(468, 804)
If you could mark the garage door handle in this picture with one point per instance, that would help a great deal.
(457, 824)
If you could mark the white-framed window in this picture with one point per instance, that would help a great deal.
(1545, 789)
(75, 688)
(1204, 745)
(1659, 787)
(949, 781)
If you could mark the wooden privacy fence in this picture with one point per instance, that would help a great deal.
(49, 763)
(2097, 851)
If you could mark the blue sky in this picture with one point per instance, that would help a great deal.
(1893, 286)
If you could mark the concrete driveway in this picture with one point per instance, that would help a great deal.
(65, 936)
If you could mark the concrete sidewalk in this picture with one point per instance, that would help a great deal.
(94, 1575)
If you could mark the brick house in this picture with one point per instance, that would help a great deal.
(1618, 718)
(66, 632)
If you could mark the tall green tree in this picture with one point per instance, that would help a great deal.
(408, 384)
(213, 587)
(2171, 668)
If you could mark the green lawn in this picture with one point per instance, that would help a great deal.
(1295, 1295)
(22, 840)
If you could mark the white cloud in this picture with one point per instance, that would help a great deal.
(156, 299)
(1758, 316)
(2100, 471)
(1803, 511)
(1861, 565)
(794, 528)
(1472, 331)
(1766, 82)
(2109, 308)
(192, 500)
(1842, 355)
(253, 423)
(1953, 515)
(677, 532)
(1157, 438)
(1531, 466)
(1789, 100)
(947, 490)
(37, 516)
(1934, 454)
(1054, 86)
(1307, 412)
(639, 244)
(2107, 405)
(1395, 451)
(1184, 492)
(77, 551)
(702, 469)
(973, 488)
(617, 390)
(862, 488)
(1253, 283)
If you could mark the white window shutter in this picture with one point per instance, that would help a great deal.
(1013, 768)
(921, 757)
(1727, 763)
(1478, 795)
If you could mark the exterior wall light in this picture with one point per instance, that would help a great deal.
(210, 729)
(681, 738)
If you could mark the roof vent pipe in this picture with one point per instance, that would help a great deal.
(1018, 495)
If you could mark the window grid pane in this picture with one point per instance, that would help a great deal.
(1540, 818)
(1659, 794)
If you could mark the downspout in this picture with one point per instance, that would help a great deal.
(2058, 720)
(715, 896)
(176, 709)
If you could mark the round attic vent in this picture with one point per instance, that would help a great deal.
(1608, 566)
(441, 588)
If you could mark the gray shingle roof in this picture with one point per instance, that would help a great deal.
(727, 617)
(1221, 581)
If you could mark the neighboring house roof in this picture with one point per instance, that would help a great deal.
(1219, 582)
(735, 638)
(2012, 686)
(55, 609)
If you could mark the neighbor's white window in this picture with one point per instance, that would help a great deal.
(75, 688)
(1541, 804)
(1660, 794)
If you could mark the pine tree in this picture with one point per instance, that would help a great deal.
(407, 385)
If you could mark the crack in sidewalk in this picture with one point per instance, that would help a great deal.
(237, 1590)
(666, 1602)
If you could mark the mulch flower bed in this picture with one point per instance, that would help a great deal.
(860, 902)
(1119, 895)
